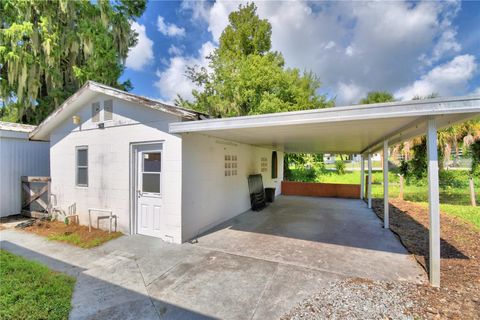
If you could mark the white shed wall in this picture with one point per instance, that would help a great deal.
(19, 157)
(109, 152)
(208, 196)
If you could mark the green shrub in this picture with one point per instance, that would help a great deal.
(340, 166)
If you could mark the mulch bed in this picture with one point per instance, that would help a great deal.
(459, 294)
(72, 233)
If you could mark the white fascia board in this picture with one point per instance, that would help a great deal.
(414, 108)
(42, 132)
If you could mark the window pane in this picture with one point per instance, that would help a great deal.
(151, 182)
(95, 112)
(82, 157)
(82, 176)
(151, 161)
(108, 110)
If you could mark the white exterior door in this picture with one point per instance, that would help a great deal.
(149, 204)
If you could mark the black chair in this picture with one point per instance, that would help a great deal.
(257, 192)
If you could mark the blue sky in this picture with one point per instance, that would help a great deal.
(408, 48)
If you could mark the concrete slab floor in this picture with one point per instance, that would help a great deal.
(256, 266)
(335, 235)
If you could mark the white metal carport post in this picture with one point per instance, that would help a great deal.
(385, 185)
(362, 177)
(369, 181)
(433, 203)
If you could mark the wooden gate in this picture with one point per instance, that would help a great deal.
(35, 196)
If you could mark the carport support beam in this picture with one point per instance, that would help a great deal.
(386, 223)
(433, 203)
(362, 177)
(369, 181)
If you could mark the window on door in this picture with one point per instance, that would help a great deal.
(151, 171)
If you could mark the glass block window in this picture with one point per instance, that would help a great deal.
(231, 165)
(263, 164)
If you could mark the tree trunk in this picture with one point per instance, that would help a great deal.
(472, 193)
(400, 193)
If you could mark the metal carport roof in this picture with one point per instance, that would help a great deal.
(354, 129)
(351, 129)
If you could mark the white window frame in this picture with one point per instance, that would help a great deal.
(159, 194)
(96, 115)
(104, 110)
(81, 167)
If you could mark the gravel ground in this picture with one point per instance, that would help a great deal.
(358, 299)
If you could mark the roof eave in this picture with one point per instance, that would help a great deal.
(43, 130)
(413, 108)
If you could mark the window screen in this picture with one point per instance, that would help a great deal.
(108, 110)
(96, 112)
(82, 166)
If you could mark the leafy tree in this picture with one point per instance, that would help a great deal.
(48, 49)
(246, 77)
(377, 97)
(475, 150)
(340, 166)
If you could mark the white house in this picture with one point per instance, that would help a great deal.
(112, 150)
(173, 173)
(18, 157)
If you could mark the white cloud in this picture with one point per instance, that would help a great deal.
(476, 91)
(142, 54)
(174, 50)
(172, 81)
(169, 29)
(330, 45)
(349, 51)
(445, 79)
(351, 92)
(446, 44)
(354, 47)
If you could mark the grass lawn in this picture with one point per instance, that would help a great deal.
(455, 195)
(466, 213)
(29, 290)
(454, 190)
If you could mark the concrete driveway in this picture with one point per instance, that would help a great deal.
(256, 266)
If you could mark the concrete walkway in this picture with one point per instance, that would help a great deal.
(258, 266)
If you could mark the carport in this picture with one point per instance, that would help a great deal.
(360, 129)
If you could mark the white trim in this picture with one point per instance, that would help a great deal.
(78, 148)
(133, 223)
(369, 181)
(415, 108)
(386, 219)
(433, 204)
(362, 177)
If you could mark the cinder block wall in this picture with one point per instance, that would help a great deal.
(208, 196)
